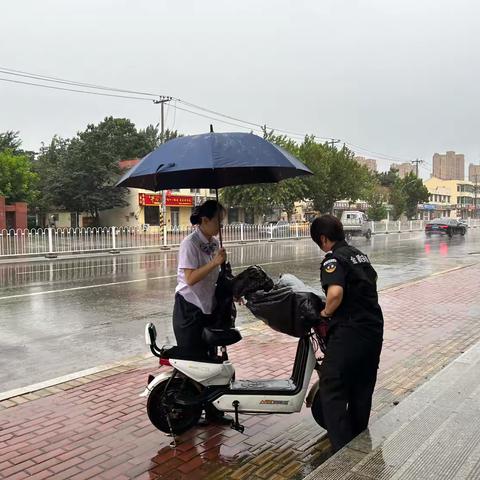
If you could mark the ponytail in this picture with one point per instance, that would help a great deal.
(195, 217)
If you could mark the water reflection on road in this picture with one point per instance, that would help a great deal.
(69, 314)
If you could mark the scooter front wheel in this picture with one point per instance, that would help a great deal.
(167, 415)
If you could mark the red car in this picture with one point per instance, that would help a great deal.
(445, 226)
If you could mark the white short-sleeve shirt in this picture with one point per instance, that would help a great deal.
(191, 256)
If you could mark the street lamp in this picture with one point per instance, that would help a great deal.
(408, 183)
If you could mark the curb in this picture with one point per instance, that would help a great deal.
(20, 395)
(17, 396)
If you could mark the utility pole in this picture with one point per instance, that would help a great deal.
(162, 100)
(475, 195)
(417, 162)
(332, 142)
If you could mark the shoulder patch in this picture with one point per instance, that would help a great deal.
(330, 265)
(330, 260)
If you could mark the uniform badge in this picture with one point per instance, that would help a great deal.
(330, 266)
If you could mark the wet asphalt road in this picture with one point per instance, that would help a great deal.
(62, 316)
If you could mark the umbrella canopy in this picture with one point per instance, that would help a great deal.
(213, 160)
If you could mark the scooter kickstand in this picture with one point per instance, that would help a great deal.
(235, 424)
(173, 443)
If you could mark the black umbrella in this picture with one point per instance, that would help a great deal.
(213, 160)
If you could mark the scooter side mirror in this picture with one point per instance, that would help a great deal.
(150, 334)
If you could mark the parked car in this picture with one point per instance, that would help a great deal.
(445, 226)
(356, 223)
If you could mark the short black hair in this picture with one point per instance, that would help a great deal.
(208, 209)
(327, 225)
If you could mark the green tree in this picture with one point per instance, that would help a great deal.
(387, 179)
(337, 176)
(406, 194)
(263, 198)
(377, 210)
(79, 175)
(415, 192)
(152, 137)
(168, 135)
(50, 168)
(16, 177)
(10, 140)
(397, 199)
(91, 166)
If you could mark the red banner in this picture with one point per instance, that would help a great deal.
(155, 200)
(179, 201)
(151, 200)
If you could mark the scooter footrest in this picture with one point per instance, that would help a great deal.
(207, 395)
(264, 385)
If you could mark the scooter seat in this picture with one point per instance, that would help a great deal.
(182, 353)
(218, 337)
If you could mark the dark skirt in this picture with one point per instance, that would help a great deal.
(188, 324)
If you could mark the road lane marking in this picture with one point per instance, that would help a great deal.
(125, 282)
(85, 287)
(102, 265)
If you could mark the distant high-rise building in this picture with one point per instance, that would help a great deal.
(370, 163)
(403, 168)
(474, 173)
(449, 166)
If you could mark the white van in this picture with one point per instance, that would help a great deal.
(356, 223)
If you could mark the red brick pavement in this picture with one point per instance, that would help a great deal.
(100, 429)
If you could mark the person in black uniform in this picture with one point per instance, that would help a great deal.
(355, 334)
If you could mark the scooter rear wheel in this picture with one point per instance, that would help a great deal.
(162, 403)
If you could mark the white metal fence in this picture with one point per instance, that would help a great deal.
(55, 241)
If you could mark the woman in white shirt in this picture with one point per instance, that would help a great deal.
(199, 261)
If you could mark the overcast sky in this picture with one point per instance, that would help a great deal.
(397, 77)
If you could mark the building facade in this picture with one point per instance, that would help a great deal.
(450, 198)
(13, 217)
(403, 168)
(370, 163)
(449, 166)
(146, 208)
(474, 173)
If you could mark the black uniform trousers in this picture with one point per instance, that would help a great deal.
(188, 324)
(347, 380)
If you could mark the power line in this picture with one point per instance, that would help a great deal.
(74, 90)
(176, 107)
(47, 78)
(379, 154)
(288, 132)
(188, 104)
(243, 123)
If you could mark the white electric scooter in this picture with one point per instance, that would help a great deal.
(176, 397)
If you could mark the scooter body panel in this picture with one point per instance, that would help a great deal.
(207, 374)
(257, 401)
(158, 379)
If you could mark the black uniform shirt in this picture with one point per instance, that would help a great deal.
(349, 268)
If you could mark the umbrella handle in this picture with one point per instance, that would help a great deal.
(219, 225)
